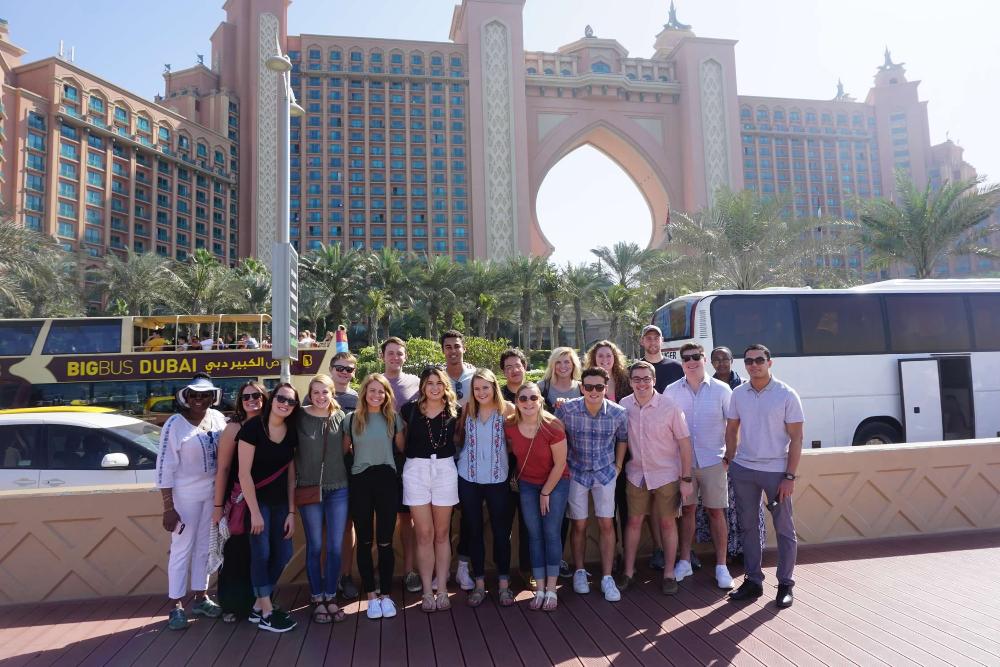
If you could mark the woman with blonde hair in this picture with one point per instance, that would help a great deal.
(482, 477)
(561, 381)
(607, 355)
(430, 478)
(373, 433)
(319, 461)
(538, 441)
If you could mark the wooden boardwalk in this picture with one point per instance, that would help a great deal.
(913, 601)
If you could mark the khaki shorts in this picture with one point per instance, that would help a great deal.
(667, 499)
(713, 484)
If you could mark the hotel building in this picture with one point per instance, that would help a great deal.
(432, 147)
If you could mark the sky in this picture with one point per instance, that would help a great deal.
(786, 48)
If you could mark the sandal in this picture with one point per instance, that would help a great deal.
(320, 614)
(537, 601)
(506, 597)
(443, 601)
(427, 603)
(336, 613)
(229, 617)
(551, 601)
(476, 597)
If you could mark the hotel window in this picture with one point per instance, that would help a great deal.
(67, 169)
(37, 142)
(32, 202)
(70, 92)
(66, 229)
(35, 121)
(142, 124)
(335, 55)
(35, 182)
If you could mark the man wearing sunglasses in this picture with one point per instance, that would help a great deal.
(597, 437)
(342, 368)
(704, 401)
(763, 447)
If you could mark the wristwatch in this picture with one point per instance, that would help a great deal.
(686, 479)
(789, 476)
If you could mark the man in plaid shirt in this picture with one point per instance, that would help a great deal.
(597, 435)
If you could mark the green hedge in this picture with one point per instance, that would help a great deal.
(421, 352)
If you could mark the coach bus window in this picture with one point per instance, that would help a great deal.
(986, 320)
(674, 319)
(841, 324)
(740, 321)
(83, 337)
(927, 323)
(18, 338)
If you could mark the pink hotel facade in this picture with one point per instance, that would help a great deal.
(430, 147)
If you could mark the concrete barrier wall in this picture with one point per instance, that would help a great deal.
(105, 541)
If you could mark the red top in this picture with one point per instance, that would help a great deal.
(539, 465)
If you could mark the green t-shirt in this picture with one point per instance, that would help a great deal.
(309, 455)
(373, 447)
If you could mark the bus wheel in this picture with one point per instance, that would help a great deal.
(877, 433)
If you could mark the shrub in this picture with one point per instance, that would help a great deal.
(485, 353)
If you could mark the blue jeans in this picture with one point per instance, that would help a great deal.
(544, 541)
(331, 512)
(269, 551)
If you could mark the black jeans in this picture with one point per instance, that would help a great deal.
(374, 494)
(497, 497)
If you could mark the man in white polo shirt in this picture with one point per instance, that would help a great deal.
(704, 401)
(764, 444)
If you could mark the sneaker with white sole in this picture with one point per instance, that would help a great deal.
(723, 578)
(275, 622)
(412, 582)
(564, 571)
(610, 590)
(682, 569)
(462, 576)
(580, 583)
(375, 609)
(388, 607)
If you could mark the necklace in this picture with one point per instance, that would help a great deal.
(441, 440)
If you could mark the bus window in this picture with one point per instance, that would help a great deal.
(18, 338)
(674, 319)
(927, 323)
(84, 337)
(741, 321)
(986, 320)
(841, 324)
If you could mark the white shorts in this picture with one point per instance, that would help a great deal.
(433, 480)
(604, 500)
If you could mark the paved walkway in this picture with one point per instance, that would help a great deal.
(914, 601)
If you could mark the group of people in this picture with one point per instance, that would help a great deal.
(156, 342)
(644, 441)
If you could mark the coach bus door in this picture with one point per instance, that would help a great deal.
(920, 392)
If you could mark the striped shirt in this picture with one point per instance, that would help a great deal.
(705, 411)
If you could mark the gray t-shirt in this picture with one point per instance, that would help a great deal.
(763, 443)
(550, 394)
(404, 389)
(348, 400)
(309, 453)
(373, 446)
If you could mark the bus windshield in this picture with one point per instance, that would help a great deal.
(676, 318)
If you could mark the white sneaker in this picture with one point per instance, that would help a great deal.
(682, 569)
(722, 577)
(388, 607)
(375, 609)
(610, 590)
(465, 581)
(580, 584)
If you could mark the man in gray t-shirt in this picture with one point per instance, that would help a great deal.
(763, 447)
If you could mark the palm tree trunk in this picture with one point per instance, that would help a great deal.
(578, 324)
(555, 329)
(526, 322)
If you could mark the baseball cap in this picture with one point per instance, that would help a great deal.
(651, 327)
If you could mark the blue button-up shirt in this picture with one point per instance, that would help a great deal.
(705, 411)
(592, 440)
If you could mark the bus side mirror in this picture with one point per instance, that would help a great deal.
(116, 460)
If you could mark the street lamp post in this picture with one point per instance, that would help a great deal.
(284, 267)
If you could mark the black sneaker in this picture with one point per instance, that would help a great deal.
(276, 622)
(747, 591)
(347, 587)
(254, 616)
(695, 561)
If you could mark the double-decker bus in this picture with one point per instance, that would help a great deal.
(894, 361)
(112, 361)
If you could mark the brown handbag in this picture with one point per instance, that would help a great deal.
(313, 493)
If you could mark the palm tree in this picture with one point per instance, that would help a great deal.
(436, 280)
(615, 301)
(202, 286)
(480, 286)
(133, 281)
(928, 225)
(389, 270)
(374, 304)
(524, 274)
(335, 276)
(253, 280)
(23, 252)
(553, 290)
(624, 263)
(579, 281)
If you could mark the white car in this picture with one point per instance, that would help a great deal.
(50, 448)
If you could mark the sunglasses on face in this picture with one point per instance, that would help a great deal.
(692, 357)
(255, 396)
(343, 369)
(286, 400)
(593, 387)
(200, 395)
(534, 398)
(750, 361)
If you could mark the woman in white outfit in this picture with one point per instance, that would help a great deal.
(185, 475)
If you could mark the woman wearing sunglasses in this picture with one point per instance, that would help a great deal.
(319, 461)
(185, 475)
(266, 454)
(235, 592)
(482, 477)
(430, 478)
(538, 441)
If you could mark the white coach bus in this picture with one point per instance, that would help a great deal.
(894, 361)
